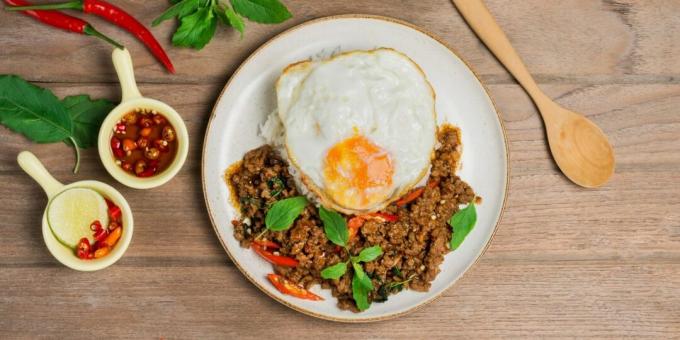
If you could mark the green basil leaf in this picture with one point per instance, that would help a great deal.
(235, 20)
(87, 116)
(363, 278)
(360, 292)
(283, 213)
(334, 226)
(462, 223)
(335, 271)
(196, 30)
(369, 254)
(179, 10)
(32, 111)
(262, 11)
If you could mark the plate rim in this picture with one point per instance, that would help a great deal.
(378, 18)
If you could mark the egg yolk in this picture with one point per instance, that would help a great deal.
(357, 173)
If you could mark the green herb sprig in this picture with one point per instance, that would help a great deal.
(336, 231)
(276, 185)
(393, 287)
(198, 19)
(39, 115)
(462, 223)
(283, 213)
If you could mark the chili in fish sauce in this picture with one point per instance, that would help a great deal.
(144, 143)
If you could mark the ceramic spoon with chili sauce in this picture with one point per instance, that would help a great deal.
(579, 147)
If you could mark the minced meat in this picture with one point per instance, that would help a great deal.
(413, 247)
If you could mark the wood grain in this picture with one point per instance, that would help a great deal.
(565, 262)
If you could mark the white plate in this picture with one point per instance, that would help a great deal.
(249, 97)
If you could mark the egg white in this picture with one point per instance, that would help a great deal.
(380, 94)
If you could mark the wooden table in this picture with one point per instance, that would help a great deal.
(565, 261)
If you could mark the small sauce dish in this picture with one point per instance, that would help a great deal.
(129, 156)
(67, 256)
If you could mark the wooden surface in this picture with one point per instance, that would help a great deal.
(565, 262)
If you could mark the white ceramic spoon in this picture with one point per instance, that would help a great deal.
(32, 166)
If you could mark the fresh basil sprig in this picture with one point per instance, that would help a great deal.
(462, 223)
(198, 19)
(283, 213)
(336, 231)
(39, 115)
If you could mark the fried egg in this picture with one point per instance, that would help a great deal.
(359, 127)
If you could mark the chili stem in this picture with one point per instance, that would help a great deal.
(89, 30)
(63, 5)
(75, 147)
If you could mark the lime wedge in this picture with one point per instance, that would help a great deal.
(70, 213)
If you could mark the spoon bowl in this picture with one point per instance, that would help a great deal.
(579, 147)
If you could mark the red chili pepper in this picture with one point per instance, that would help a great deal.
(153, 167)
(410, 197)
(278, 260)
(117, 16)
(382, 217)
(83, 249)
(266, 244)
(121, 128)
(96, 225)
(285, 286)
(117, 148)
(114, 212)
(355, 223)
(100, 234)
(63, 21)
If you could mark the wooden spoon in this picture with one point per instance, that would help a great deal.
(579, 147)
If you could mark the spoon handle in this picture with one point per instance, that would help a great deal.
(122, 62)
(482, 22)
(32, 166)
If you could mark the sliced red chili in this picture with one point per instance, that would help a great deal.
(266, 244)
(83, 248)
(114, 212)
(278, 260)
(410, 197)
(382, 217)
(100, 234)
(117, 148)
(285, 286)
(96, 225)
(354, 224)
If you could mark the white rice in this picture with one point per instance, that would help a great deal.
(273, 133)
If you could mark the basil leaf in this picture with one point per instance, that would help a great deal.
(335, 271)
(283, 213)
(369, 254)
(262, 11)
(363, 278)
(397, 272)
(462, 223)
(234, 20)
(334, 226)
(196, 30)
(87, 116)
(360, 292)
(32, 111)
(179, 10)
